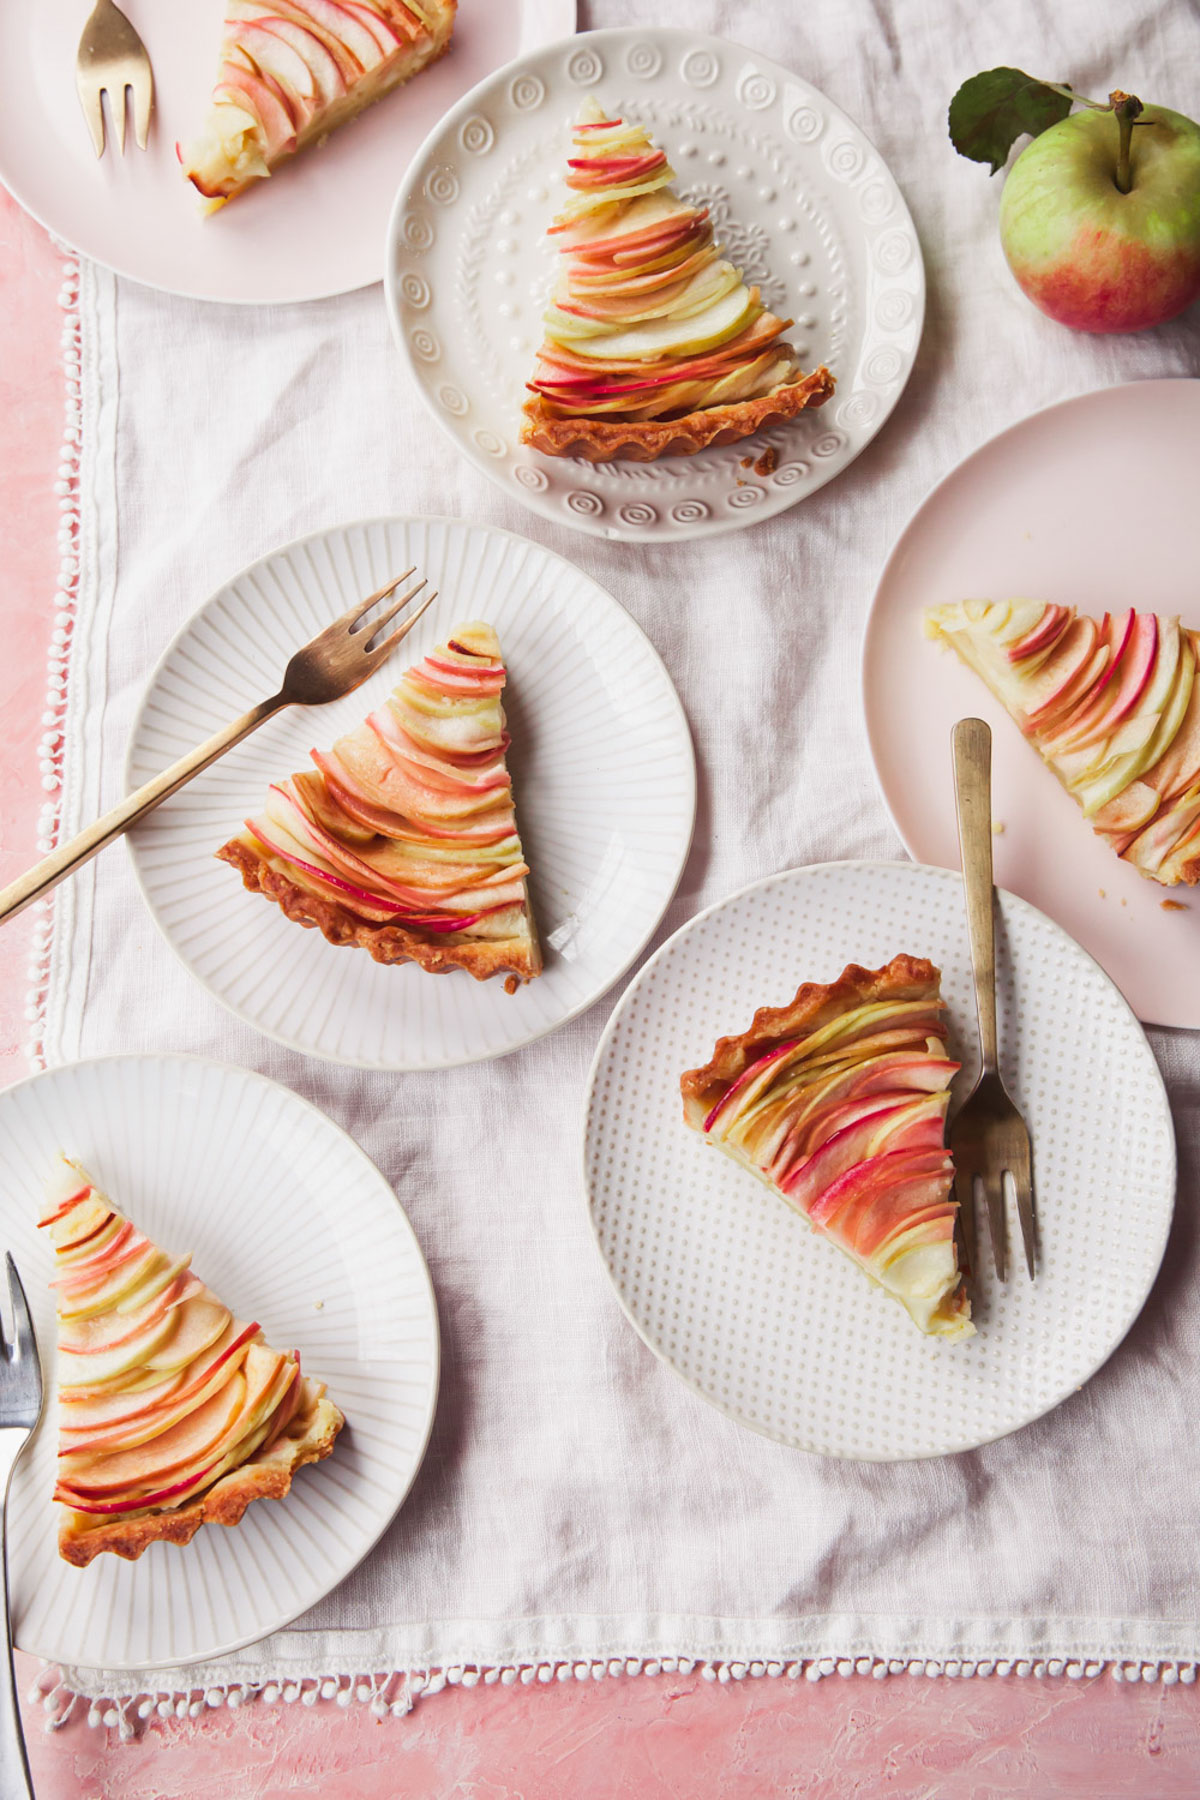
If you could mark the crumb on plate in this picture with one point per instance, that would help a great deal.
(1174, 905)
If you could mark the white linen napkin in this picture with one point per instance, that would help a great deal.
(578, 1506)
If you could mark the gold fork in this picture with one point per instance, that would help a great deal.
(988, 1138)
(112, 57)
(336, 661)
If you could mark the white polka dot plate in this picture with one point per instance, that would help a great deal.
(602, 765)
(293, 1226)
(774, 1325)
(801, 199)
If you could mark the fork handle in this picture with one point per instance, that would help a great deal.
(972, 741)
(15, 1779)
(71, 856)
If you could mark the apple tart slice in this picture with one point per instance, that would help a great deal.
(838, 1101)
(403, 838)
(1112, 706)
(172, 1413)
(292, 71)
(655, 345)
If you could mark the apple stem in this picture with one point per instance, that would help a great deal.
(1126, 108)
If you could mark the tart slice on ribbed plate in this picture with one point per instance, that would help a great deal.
(1111, 705)
(172, 1413)
(292, 71)
(655, 345)
(838, 1101)
(402, 839)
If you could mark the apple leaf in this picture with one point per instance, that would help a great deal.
(991, 111)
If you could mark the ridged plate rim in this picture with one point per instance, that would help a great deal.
(601, 595)
(411, 1249)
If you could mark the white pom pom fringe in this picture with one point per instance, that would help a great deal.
(393, 1695)
(51, 744)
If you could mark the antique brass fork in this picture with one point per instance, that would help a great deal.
(112, 57)
(988, 1138)
(20, 1410)
(336, 661)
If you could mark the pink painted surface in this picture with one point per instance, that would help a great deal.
(672, 1736)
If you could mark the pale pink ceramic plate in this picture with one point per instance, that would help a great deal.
(316, 228)
(1091, 503)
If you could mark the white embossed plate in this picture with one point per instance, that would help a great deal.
(316, 228)
(295, 1227)
(777, 1327)
(602, 766)
(801, 198)
(1026, 514)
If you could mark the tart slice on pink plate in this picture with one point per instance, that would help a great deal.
(172, 1413)
(1111, 705)
(655, 345)
(838, 1102)
(292, 71)
(402, 839)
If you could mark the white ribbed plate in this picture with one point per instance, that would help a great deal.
(802, 201)
(602, 767)
(293, 1226)
(776, 1326)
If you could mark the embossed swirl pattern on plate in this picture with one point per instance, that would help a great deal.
(801, 203)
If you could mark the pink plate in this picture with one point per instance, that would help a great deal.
(1038, 512)
(317, 228)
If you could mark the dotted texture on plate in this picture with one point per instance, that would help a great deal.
(602, 772)
(292, 1226)
(775, 1325)
(800, 199)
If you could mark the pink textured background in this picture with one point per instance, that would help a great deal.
(915, 1739)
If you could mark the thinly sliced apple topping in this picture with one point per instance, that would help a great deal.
(292, 71)
(1111, 705)
(647, 320)
(162, 1392)
(838, 1101)
(404, 834)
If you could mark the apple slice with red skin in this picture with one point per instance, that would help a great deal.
(194, 1482)
(870, 1231)
(344, 35)
(875, 1175)
(917, 1072)
(389, 36)
(1051, 626)
(246, 1407)
(66, 1206)
(89, 1222)
(116, 1250)
(196, 1440)
(275, 57)
(1132, 808)
(322, 66)
(1073, 654)
(94, 1420)
(110, 1330)
(1179, 766)
(916, 1126)
(262, 101)
(1050, 717)
(1119, 692)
